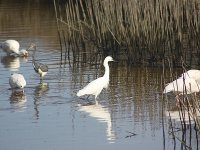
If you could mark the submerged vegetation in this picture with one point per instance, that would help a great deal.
(139, 31)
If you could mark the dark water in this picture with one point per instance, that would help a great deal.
(51, 116)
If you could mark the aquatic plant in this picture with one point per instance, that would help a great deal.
(139, 31)
(184, 123)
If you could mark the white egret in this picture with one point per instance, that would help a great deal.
(189, 82)
(183, 86)
(194, 74)
(17, 81)
(39, 68)
(95, 87)
(11, 47)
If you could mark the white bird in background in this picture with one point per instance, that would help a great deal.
(194, 74)
(182, 86)
(186, 84)
(39, 68)
(95, 87)
(189, 82)
(11, 47)
(17, 81)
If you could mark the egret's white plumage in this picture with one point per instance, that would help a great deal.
(17, 81)
(194, 74)
(95, 87)
(183, 86)
(188, 83)
(11, 47)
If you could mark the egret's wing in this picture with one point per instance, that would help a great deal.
(17, 81)
(92, 87)
(10, 46)
(194, 74)
(180, 85)
(41, 66)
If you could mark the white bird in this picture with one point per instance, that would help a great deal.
(39, 68)
(95, 87)
(17, 81)
(189, 82)
(183, 86)
(194, 74)
(11, 47)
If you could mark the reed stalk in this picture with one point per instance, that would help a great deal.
(188, 111)
(143, 31)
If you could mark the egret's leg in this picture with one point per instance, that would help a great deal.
(88, 97)
(41, 79)
(96, 102)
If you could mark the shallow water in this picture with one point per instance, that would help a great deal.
(51, 116)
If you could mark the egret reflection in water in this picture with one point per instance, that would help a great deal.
(40, 90)
(101, 114)
(11, 62)
(182, 126)
(18, 101)
(184, 116)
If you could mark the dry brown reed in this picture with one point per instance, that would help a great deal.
(187, 113)
(142, 31)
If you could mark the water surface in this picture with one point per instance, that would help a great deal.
(51, 116)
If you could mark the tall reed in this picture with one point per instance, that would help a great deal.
(140, 31)
(184, 124)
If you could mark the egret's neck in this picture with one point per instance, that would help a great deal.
(107, 70)
(23, 52)
(20, 52)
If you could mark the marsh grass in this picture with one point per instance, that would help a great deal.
(139, 31)
(184, 127)
(186, 115)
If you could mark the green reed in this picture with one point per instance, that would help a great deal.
(141, 31)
